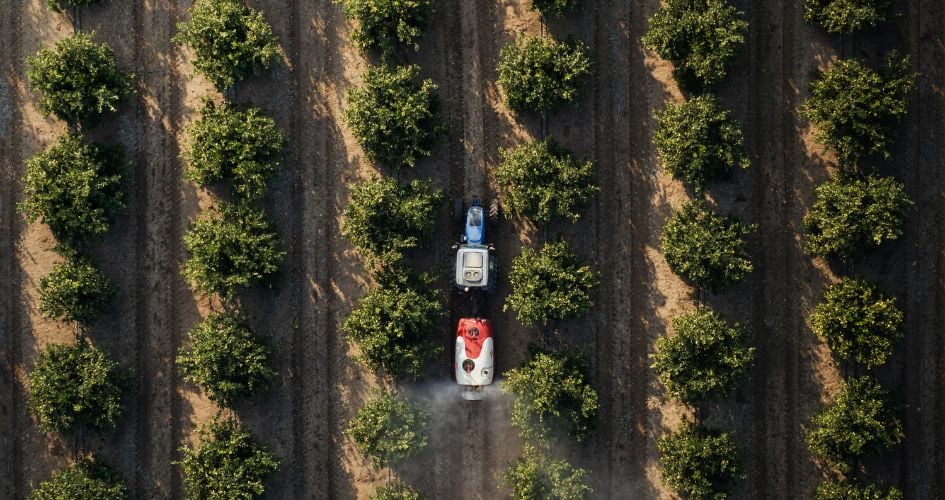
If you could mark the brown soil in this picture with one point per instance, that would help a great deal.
(303, 416)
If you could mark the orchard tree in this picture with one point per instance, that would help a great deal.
(851, 215)
(226, 358)
(75, 385)
(705, 248)
(78, 80)
(393, 115)
(858, 322)
(699, 142)
(537, 476)
(705, 359)
(846, 16)
(75, 291)
(857, 423)
(855, 108)
(554, 8)
(85, 479)
(539, 74)
(226, 142)
(553, 393)
(235, 247)
(386, 218)
(700, 37)
(550, 284)
(836, 489)
(230, 41)
(388, 25)
(388, 428)
(397, 491)
(75, 188)
(698, 462)
(226, 463)
(542, 181)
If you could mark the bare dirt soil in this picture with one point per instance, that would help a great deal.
(303, 416)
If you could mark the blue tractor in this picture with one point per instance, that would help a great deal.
(475, 259)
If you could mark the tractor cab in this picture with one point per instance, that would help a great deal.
(475, 264)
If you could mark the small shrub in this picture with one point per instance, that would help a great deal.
(535, 475)
(550, 284)
(836, 489)
(555, 8)
(539, 74)
(388, 428)
(397, 491)
(846, 16)
(85, 479)
(386, 25)
(75, 291)
(699, 463)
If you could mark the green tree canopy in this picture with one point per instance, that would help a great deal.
(227, 142)
(539, 73)
(234, 247)
(393, 116)
(537, 476)
(388, 428)
(705, 359)
(386, 218)
(553, 393)
(836, 489)
(550, 284)
(75, 385)
(86, 479)
(700, 37)
(226, 358)
(75, 291)
(705, 248)
(542, 181)
(857, 423)
(846, 16)
(226, 463)
(699, 142)
(78, 80)
(397, 491)
(858, 322)
(851, 215)
(699, 463)
(855, 107)
(75, 188)
(60, 5)
(230, 41)
(388, 25)
(555, 8)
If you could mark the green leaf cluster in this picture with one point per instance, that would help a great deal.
(399, 491)
(706, 248)
(846, 16)
(851, 215)
(388, 428)
(75, 291)
(226, 142)
(387, 25)
(550, 284)
(86, 479)
(555, 8)
(230, 41)
(227, 463)
(75, 385)
(835, 489)
(699, 463)
(60, 5)
(393, 116)
(537, 476)
(700, 37)
(858, 422)
(705, 359)
(699, 142)
(855, 107)
(78, 80)
(542, 181)
(539, 74)
(226, 358)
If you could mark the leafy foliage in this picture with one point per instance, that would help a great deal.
(395, 492)
(855, 107)
(389, 428)
(78, 80)
(227, 142)
(705, 359)
(556, 8)
(227, 463)
(386, 25)
(226, 358)
(706, 248)
(550, 284)
(700, 463)
(858, 322)
(85, 479)
(75, 385)
(393, 116)
(552, 392)
(699, 141)
(846, 16)
(60, 5)
(385, 218)
(700, 37)
(536, 476)
(230, 41)
(540, 74)
(232, 248)
(75, 188)
(858, 422)
(75, 291)
(851, 215)
(835, 489)
(541, 181)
